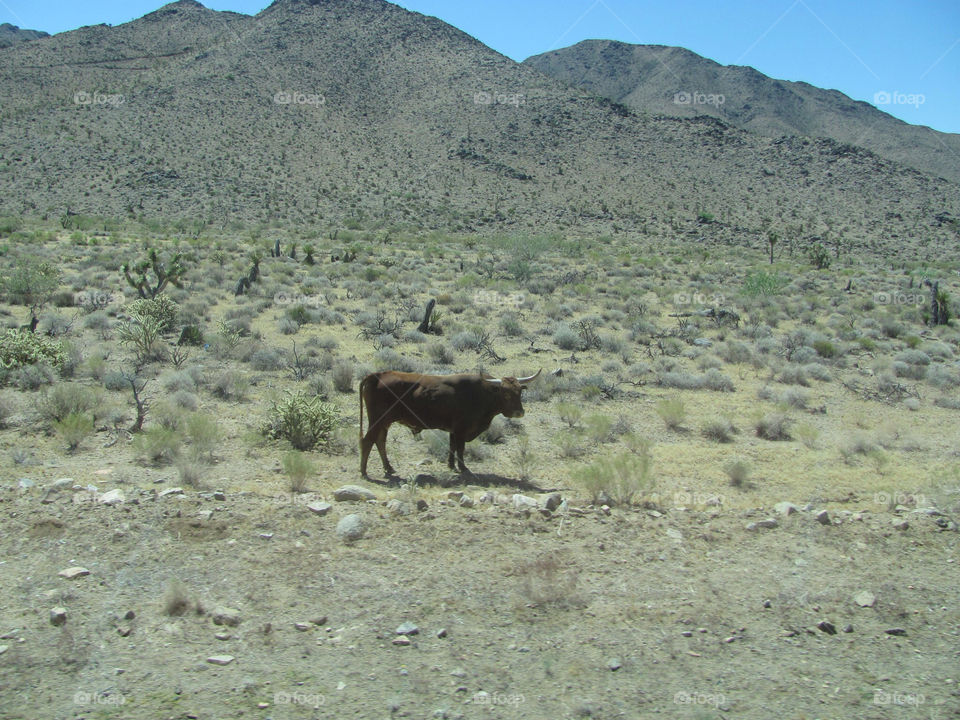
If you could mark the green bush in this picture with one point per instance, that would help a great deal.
(30, 282)
(161, 308)
(297, 467)
(19, 348)
(620, 477)
(67, 399)
(305, 422)
(159, 444)
(73, 429)
(672, 412)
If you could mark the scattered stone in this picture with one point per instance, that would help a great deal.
(896, 631)
(785, 508)
(205, 514)
(768, 523)
(58, 616)
(349, 493)
(220, 659)
(674, 533)
(458, 673)
(687, 633)
(605, 509)
(488, 498)
(523, 502)
(767, 604)
(545, 513)
(319, 508)
(4, 648)
(455, 495)
(129, 615)
(402, 640)
(124, 630)
(823, 517)
(848, 628)
(751, 526)
(864, 598)
(828, 627)
(223, 636)
(603, 498)
(614, 664)
(408, 628)
(170, 491)
(466, 501)
(319, 620)
(219, 495)
(399, 507)
(301, 627)
(25, 483)
(900, 524)
(442, 633)
(552, 501)
(266, 536)
(112, 497)
(422, 505)
(351, 527)
(425, 479)
(226, 616)
(72, 573)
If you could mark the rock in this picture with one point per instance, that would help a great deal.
(204, 515)
(58, 616)
(266, 536)
(407, 628)
(674, 534)
(422, 505)
(4, 648)
(823, 517)
(614, 664)
(25, 483)
(458, 673)
(349, 493)
(605, 509)
(219, 495)
(702, 342)
(488, 498)
(900, 525)
(552, 501)
(896, 631)
(828, 627)
(72, 573)
(785, 508)
(112, 497)
(319, 620)
(129, 615)
(402, 640)
(399, 507)
(319, 508)
(124, 630)
(226, 616)
(466, 501)
(301, 627)
(425, 479)
(848, 628)
(455, 495)
(220, 659)
(751, 526)
(351, 527)
(603, 498)
(767, 604)
(523, 502)
(769, 523)
(170, 491)
(442, 633)
(864, 598)
(223, 636)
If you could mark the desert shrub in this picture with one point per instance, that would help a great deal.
(510, 325)
(859, 444)
(720, 430)
(389, 359)
(267, 360)
(547, 581)
(141, 333)
(191, 335)
(161, 309)
(825, 349)
(715, 380)
(566, 338)
(190, 472)
(570, 444)
(203, 433)
(672, 412)
(738, 471)
(30, 282)
(947, 401)
(911, 372)
(99, 321)
(440, 354)
(570, 413)
(178, 380)
(735, 351)
(32, 377)
(679, 380)
(74, 429)
(913, 357)
(937, 349)
(793, 375)
(497, 432)
(66, 399)
(342, 374)
(438, 443)
(297, 467)
(599, 428)
(115, 380)
(19, 348)
(794, 398)
(942, 377)
(304, 422)
(286, 326)
(817, 372)
(7, 408)
(185, 400)
(621, 477)
(230, 385)
(773, 426)
(158, 444)
(808, 435)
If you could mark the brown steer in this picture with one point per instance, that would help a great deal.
(463, 405)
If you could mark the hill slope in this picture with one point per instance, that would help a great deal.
(320, 112)
(12, 35)
(648, 77)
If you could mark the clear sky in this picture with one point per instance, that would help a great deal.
(904, 52)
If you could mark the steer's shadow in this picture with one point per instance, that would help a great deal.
(463, 478)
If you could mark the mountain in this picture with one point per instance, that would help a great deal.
(325, 112)
(12, 35)
(674, 81)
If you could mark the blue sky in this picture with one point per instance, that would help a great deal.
(904, 51)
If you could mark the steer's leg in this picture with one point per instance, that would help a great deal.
(366, 442)
(460, 446)
(382, 449)
(453, 449)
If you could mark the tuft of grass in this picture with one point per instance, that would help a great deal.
(773, 426)
(74, 429)
(808, 435)
(297, 467)
(673, 412)
(720, 430)
(570, 413)
(738, 471)
(547, 580)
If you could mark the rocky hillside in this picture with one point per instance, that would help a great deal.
(358, 110)
(674, 81)
(12, 35)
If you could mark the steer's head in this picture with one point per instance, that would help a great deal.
(509, 390)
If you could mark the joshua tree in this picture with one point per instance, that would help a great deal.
(139, 275)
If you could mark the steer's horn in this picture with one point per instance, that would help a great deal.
(525, 380)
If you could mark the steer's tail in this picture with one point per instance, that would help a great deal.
(360, 390)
